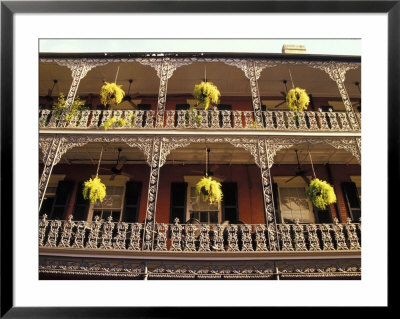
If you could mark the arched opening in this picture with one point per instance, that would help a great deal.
(293, 169)
(233, 167)
(123, 170)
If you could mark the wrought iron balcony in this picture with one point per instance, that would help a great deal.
(102, 236)
(200, 119)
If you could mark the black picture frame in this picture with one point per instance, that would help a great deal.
(9, 8)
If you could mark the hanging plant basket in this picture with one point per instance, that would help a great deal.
(94, 190)
(205, 94)
(77, 105)
(297, 100)
(321, 193)
(119, 122)
(209, 190)
(111, 93)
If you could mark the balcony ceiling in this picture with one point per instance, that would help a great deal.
(229, 79)
(221, 153)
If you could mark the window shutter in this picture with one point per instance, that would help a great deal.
(81, 205)
(327, 108)
(352, 200)
(264, 109)
(132, 202)
(178, 202)
(63, 194)
(224, 107)
(323, 216)
(230, 209)
(181, 107)
(276, 202)
(144, 107)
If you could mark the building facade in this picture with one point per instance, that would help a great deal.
(151, 224)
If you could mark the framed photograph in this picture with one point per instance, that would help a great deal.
(188, 148)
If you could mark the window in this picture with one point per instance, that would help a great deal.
(295, 205)
(205, 212)
(293, 202)
(113, 203)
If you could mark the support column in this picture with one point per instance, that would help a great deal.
(50, 158)
(337, 72)
(53, 148)
(149, 223)
(270, 216)
(253, 75)
(79, 68)
(78, 72)
(164, 74)
(165, 67)
(358, 142)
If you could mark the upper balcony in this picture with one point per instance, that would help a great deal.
(307, 121)
(159, 92)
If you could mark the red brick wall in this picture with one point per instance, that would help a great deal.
(240, 103)
(247, 177)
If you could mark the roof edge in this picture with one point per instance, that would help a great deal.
(231, 55)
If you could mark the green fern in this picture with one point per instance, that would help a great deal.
(94, 190)
(205, 94)
(209, 190)
(77, 106)
(321, 193)
(111, 93)
(297, 100)
(121, 122)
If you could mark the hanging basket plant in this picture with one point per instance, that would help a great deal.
(111, 93)
(209, 190)
(119, 122)
(61, 106)
(94, 190)
(321, 193)
(297, 100)
(205, 94)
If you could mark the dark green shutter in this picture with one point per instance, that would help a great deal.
(178, 202)
(263, 109)
(181, 107)
(132, 202)
(322, 216)
(63, 194)
(230, 209)
(144, 107)
(81, 205)
(276, 203)
(327, 108)
(352, 200)
(224, 107)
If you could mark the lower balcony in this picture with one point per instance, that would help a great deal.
(105, 250)
(195, 238)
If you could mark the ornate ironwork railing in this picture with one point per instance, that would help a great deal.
(109, 235)
(200, 119)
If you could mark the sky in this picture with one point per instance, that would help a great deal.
(313, 46)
